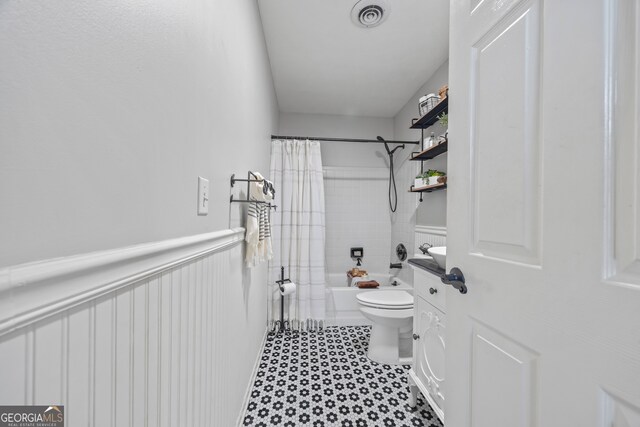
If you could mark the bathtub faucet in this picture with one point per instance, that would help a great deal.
(396, 265)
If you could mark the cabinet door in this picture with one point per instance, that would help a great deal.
(429, 349)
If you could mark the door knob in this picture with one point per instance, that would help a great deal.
(416, 336)
(455, 278)
(433, 291)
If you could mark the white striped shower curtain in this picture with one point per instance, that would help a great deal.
(298, 233)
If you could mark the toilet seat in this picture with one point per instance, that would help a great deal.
(387, 300)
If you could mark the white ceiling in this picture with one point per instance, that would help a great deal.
(323, 63)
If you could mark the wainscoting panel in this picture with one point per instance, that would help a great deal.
(173, 347)
(19, 375)
(435, 236)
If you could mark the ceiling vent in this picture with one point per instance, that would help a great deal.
(369, 13)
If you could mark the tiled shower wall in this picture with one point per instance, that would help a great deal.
(357, 215)
(403, 220)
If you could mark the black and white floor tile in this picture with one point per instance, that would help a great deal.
(325, 379)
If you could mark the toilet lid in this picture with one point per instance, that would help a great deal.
(387, 299)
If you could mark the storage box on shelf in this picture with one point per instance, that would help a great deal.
(432, 115)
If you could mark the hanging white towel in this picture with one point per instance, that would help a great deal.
(266, 249)
(252, 236)
(258, 235)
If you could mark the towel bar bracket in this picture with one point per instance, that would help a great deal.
(248, 180)
(234, 179)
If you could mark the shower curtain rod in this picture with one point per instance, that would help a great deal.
(318, 138)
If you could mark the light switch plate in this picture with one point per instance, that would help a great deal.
(203, 196)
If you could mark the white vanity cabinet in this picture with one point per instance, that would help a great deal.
(429, 321)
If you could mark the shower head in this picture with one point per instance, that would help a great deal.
(386, 146)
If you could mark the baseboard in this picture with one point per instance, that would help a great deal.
(254, 373)
(32, 292)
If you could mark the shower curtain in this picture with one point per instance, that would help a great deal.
(298, 233)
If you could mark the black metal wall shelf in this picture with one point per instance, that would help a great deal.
(430, 152)
(422, 123)
(428, 188)
(432, 115)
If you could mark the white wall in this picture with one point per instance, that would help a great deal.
(110, 111)
(433, 210)
(356, 178)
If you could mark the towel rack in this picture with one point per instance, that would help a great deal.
(249, 180)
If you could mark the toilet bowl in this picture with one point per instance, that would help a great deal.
(391, 313)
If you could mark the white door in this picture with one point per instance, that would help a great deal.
(544, 214)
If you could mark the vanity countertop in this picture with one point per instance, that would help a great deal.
(428, 265)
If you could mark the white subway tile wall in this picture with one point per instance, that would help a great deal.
(357, 215)
(403, 221)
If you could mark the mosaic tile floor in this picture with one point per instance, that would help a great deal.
(325, 379)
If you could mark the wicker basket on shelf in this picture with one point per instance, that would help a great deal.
(427, 102)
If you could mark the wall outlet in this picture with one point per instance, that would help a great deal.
(357, 252)
(203, 196)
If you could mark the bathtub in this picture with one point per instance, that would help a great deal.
(342, 307)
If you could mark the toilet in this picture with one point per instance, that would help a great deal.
(392, 315)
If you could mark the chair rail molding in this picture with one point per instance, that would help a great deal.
(34, 291)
